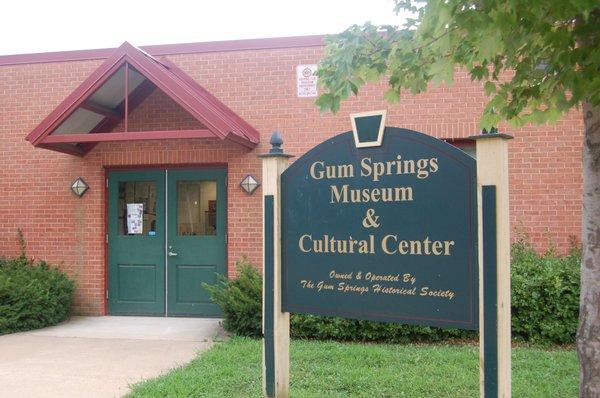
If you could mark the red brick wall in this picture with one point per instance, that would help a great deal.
(545, 161)
(160, 112)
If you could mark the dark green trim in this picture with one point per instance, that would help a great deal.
(368, 127)
(490, 291)
(269, 270)
(492, 135)
(275, 155)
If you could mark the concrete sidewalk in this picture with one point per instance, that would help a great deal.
(99, 356)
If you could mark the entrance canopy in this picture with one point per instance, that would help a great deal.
(98, 110)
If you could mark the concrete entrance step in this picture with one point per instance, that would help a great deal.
(137, 328)
(99, 356)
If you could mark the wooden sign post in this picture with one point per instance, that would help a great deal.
(494, 265)
(388, 224)
(276, 323)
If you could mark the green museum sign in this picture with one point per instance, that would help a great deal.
(383, 223)
(380, 223)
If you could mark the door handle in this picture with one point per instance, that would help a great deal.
(172, 254)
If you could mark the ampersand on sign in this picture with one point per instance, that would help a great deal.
(370, 220)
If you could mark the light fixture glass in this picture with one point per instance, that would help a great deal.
(79, 187)
(249, 184)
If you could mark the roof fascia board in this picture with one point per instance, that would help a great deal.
(75, 98)
(212, 102)
(128, 136)
(179, 93)
(126, 53)
(216, 116)
(63, 149)
(241, 141)
(169, 49)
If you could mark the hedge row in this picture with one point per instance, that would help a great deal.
(545, 305)
(32, 295)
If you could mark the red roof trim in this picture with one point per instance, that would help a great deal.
(129, 136)
(219, 110)
(64, 148)
(168, 49)
(216, 116)
(77, 96)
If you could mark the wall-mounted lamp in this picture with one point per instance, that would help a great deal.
(249, 184)
(79, 187)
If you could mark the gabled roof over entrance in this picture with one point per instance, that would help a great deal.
(106, 98)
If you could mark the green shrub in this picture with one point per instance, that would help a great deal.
(330, 328)
(545, 295)
(240, 299)
(32, 295)
(545, 302)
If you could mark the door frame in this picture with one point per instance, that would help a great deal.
(157, 167)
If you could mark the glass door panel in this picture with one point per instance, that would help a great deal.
(196, 208)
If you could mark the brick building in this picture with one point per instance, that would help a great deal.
(180, 142)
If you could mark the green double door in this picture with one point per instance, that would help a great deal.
(166, 237)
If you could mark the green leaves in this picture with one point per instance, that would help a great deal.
(535, 63)
(392, 96)
(442, 70)
(544, 295)
(324, 102)
(479, 72)
(491, 44)
(545, 291)
(489, 88)
(240, 299)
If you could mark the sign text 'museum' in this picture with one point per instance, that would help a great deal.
(384, 233)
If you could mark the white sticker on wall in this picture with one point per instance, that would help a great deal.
(135, 218)
(306, 81)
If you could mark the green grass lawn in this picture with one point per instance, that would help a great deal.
(329, 369)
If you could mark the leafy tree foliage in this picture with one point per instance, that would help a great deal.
(537, 59)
